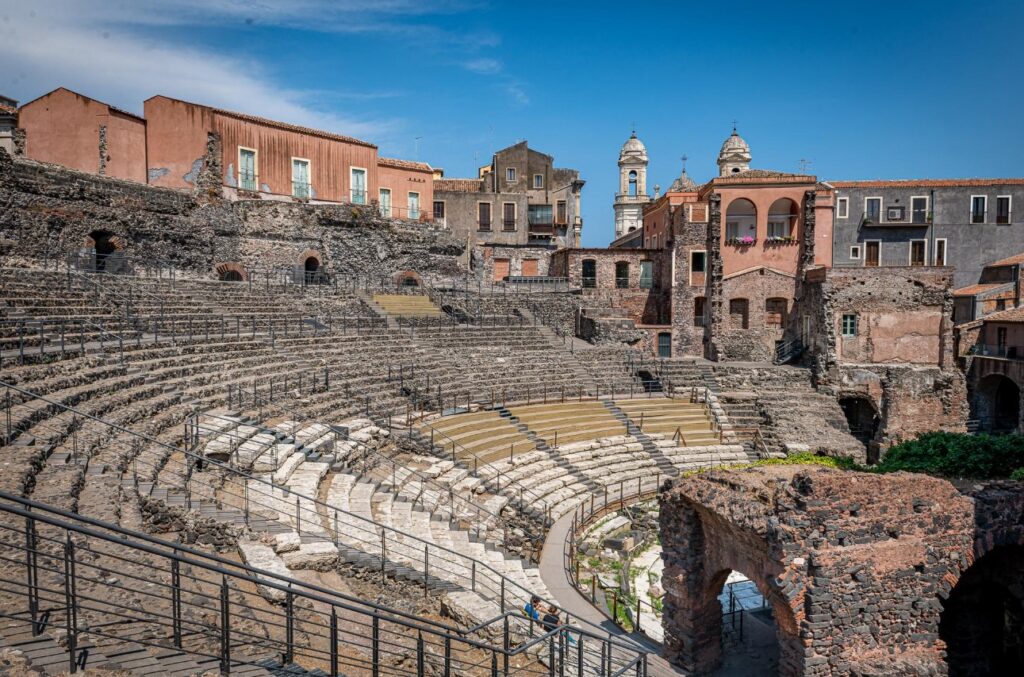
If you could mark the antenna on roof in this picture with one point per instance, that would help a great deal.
(416, 155)
(805, 165)
(684, 158)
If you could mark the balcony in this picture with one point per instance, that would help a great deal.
(248, 181)
(1000, 351)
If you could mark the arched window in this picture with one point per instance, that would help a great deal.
(782, 216)
(632, 184)
(738, 313)
(621, 275)
(741, 221)
(775, 312)
(589, 270)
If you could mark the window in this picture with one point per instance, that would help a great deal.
(589, 270)
(385, 202)
(843, 208)
(632, 184)
(1001, 340)
(919, 209)
(358, 186)
(439, 210)
(855, 252)
(414, 205)
(775, 312)
(1000, 304)
(483, 215)
(738, 314)
(621, 275)
(654, 242)
(561, 213)
(510, 174)
(300, 178)
(698, 311)
(539, 215)
(940, 252)
(698, 261)
(849, 325)
(247, 169)
(873, 209)
(1003, 209)
(664, 344)
(918, 252)
(508, 215)
(895, 213)
(732, 230)
(778, 228)
(873, 253)
(538, 180)
(646, 275)
(979, 206)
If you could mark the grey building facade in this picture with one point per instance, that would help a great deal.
(963, 223)
(520, 199)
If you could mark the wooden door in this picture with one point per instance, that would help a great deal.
(500, 269)
(872, 253)
(530, 268)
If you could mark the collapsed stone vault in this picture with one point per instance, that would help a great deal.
(865, 574)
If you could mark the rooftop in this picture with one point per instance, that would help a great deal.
(1008, 261)
(975, 289)
(926, 183)
(404, 164)
(276, 123)
(458, 185)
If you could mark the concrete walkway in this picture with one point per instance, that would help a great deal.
(753, 657)
(556, 578)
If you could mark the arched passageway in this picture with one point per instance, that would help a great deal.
(862, 417)
(311, 269)
(995, 405)
(982, 621)
(748, 627)
(105, 248)
(231, 276)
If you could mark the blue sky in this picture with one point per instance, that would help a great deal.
(861, 90)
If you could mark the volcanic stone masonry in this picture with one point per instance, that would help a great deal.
(48, 211)
(866, 574)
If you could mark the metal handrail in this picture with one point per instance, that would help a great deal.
(43, 552)
(507, 585)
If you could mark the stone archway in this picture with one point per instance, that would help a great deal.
(311, 264)
(982, 620)
(995, 404)
(408, 279)
(108, 250)
(230, 271)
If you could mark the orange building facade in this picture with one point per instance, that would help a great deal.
(69, 129)
(178, 142)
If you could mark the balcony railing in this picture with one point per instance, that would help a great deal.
(1006, 352)
(301, 189)
(358, 196)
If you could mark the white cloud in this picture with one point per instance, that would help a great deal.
(484, 66)
(517, 92)
(53, 44)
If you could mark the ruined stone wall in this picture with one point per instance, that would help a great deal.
(856, 567)
(687, 286)
(49, 211)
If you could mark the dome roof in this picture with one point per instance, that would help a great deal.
(633, 149)
(734, 145)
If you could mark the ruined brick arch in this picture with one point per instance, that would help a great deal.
(229, 271)
(98, 237)
(304, 259)
(408, 278)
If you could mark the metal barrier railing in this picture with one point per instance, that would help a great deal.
(168, 596)
(253, 496)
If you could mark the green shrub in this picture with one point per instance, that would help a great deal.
(1017, 474)
(957, 455)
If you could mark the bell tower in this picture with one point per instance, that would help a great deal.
(632, 193)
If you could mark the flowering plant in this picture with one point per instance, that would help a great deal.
(747, 239)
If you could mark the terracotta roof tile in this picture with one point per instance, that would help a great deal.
(11, 110)
(976, 289)
(458, 185)
(927, 183)
(404, 164)
(280, 125)
(1010, 315)
(1008, 261)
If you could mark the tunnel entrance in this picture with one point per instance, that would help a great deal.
(996, 404)
(982, 622)
(862, 417)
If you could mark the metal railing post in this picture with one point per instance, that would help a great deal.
(70, 603)
(225, 627)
